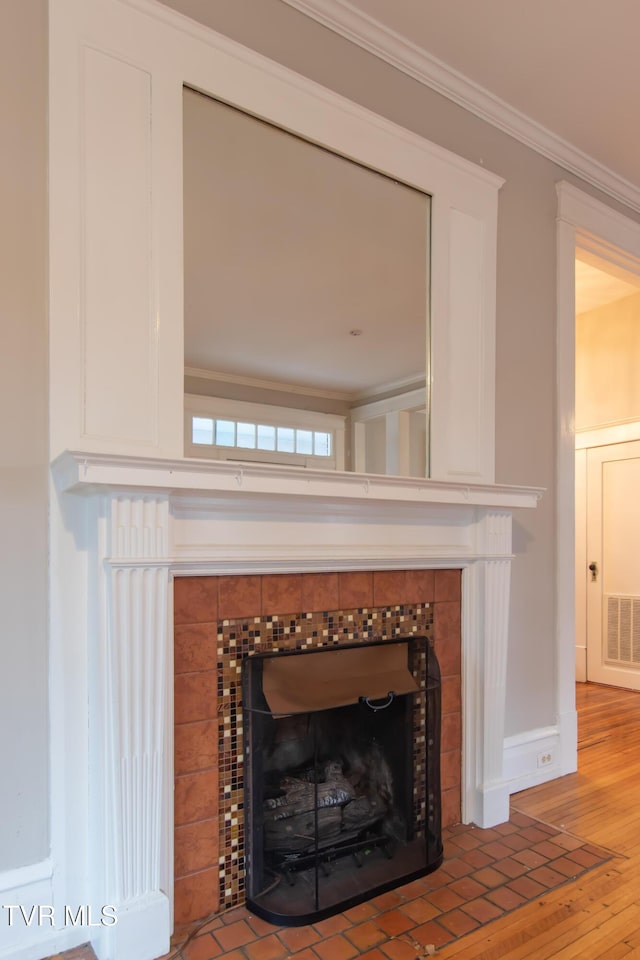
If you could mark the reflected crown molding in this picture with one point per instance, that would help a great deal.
(199, 373)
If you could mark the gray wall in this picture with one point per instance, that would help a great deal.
(526, 300)
(24, 833)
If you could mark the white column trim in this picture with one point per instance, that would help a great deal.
(485, 627)
(129, 708)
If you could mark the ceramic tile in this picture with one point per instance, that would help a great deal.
(355, 590)
(448, 585)
(196, 847)
(195, 746)
(196, 895)
(420, 586)
(235, 935)
(196, 798)
(319, 592)
(389, 587)
(281, 594)
(451, 732)
(451, 695)
(195, 697)
(195, 599)
(239, 597)
(450, 771)
(451, 807)
(194, 647)
(447, 636)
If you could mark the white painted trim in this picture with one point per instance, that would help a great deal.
(412, 400)
(580, 563)
(87, 471)
(606, 435)
(32, 886)
(521, 753)
(368, 33)
(25, 876)
(38, 944)
(581, 663)
(565, 473)
(159, 13)
(601, 230)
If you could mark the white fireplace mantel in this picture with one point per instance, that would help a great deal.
(147, 520)
(80, 471)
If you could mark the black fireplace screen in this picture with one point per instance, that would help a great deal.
(342, 799)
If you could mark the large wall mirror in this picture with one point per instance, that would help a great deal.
(306, 301)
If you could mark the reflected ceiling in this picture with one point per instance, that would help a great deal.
(300, 266)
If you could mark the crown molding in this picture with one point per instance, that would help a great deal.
(343, 18)
(279, 386)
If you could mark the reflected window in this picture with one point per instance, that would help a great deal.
(236, 430)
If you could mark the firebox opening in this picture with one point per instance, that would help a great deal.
(341, 802)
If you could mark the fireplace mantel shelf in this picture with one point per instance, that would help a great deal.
(84, 472)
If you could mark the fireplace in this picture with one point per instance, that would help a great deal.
(148, 522)
(342, 776)
(220, 624)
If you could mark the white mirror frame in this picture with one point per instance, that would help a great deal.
(117, 71)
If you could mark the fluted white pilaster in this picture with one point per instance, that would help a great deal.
(485, 637)
(133, 682)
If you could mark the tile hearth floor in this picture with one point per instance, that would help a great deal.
(485, 874)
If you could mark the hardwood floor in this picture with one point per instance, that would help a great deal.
(598, 916)
(595, 916)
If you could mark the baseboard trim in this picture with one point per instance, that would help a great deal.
(581, 664)
(142, 931)
(525, 764)
(34, 933)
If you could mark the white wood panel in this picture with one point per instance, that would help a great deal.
(119, 334)
(621, 536)
(468, 388)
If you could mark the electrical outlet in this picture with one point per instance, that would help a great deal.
(545, 759)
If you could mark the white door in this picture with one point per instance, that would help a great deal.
(613, 558)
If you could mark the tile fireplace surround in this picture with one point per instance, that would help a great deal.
(147, 523)
(219, 621)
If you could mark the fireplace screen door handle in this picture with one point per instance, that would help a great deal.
(378, 706)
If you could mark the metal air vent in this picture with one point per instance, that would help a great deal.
(623, 630)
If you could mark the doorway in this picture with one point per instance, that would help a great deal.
(607, 419)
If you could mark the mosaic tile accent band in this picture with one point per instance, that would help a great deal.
(237, 639)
